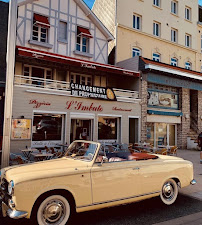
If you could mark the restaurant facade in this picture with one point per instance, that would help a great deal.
(63, 87)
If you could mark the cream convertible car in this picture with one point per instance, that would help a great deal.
(90, 177)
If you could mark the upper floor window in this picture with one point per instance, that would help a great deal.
(136, 52)
(188, 65)
(187, 40)
(137, 22)
(62, 31)
(156, 57)
(40, 28)
(156, 29)
(187, 13)
(174, 61)
(81, 79)
(156, 3)
(174, 7)
(173, 35)
(83, 39)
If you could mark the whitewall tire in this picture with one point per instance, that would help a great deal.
(169, 192)
(54, 209)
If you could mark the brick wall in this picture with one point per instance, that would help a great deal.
(143, 96)
(184, 128)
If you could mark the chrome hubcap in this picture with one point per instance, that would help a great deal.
(168, 191)
(54, 212)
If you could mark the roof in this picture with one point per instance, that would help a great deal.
(159, 66)
(88, 12)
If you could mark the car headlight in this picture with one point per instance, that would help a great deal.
(11, 187)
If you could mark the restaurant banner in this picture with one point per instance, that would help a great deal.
(85, 91)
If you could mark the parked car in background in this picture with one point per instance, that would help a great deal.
(90, 177)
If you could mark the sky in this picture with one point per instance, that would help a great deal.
(90, 2)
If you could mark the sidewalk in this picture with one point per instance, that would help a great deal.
(193, 156)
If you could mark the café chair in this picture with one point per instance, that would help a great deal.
(162, 151)
(173, 150)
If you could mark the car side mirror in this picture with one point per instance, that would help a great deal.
(104, 160)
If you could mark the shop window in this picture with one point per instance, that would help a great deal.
(136, 52)
(47, 127)
(137, 21)
(107, 128)
(163, 97)
(150, 133)
(83, 39)
(40, 28)
(156, 57)
(81, 79)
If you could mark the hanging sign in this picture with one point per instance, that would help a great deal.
(85, 91)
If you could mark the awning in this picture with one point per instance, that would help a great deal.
(41, 20)
(84, 32)
(52, 57)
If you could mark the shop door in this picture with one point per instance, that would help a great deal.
(172, 135)
(81, 130)
(133, 130)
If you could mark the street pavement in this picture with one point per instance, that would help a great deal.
(187, 210)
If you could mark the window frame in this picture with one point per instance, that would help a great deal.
(174, 61)
(156, 29)
(73, 75)
(157, 3)
(174, 7)
(39, 32)
(136, 52)
(137, 24)
(188, 40)
(187, 13)
(155, 57)
(174, 35)
(188, 65)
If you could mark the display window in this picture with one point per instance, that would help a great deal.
(47, 127)
(107, 128)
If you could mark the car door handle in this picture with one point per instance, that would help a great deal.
(136, 168)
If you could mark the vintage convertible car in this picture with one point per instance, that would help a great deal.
(90, 177)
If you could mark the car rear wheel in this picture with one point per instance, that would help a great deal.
(54, 209)
(169, 192)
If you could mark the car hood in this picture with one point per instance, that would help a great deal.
(45, 169)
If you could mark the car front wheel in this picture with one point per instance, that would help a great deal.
(54, 209)
(169, 192)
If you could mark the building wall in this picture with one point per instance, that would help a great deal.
(67, 11)
(107, 16)
(58, 104)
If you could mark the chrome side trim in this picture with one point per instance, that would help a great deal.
(116, 200)
(193, 182)
(13, 214)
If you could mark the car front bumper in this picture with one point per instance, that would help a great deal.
(13, 214)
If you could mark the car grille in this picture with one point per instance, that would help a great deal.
(4, 191)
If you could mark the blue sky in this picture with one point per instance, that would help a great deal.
(90, 2)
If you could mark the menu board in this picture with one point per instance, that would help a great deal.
(21, 129)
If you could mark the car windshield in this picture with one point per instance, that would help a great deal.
(81, 150)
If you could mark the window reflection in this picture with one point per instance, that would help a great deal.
(107, 128)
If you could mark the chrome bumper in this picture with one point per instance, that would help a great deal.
(13, 214)
(193, 182)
